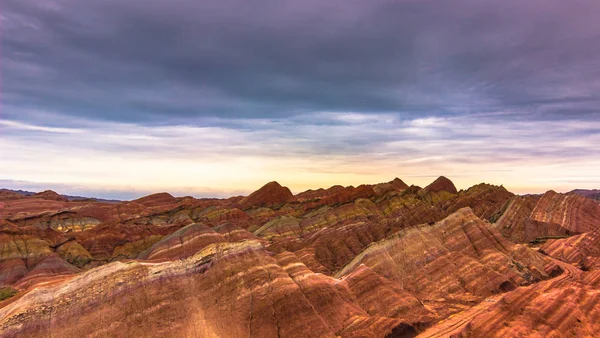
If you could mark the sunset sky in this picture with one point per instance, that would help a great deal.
(118, 99)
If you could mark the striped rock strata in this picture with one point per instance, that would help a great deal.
(241, 289)
(29, 255)
(370, 261)
(581, 250)
(459, 260)
(553, 214)
(565, 306)
(225, 290)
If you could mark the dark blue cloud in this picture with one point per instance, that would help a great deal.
(165, 62)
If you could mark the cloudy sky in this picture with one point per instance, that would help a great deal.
(117, 99)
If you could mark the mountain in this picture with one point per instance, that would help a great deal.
(593, 193)
(18, 193)
(377, 260)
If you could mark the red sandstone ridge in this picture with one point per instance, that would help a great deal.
(581, 250)
(395, 184)
(240, 289)
(270, 194)
(441, 184)
(529, 217)
(50, 195)
(156, 199)
(378, 260)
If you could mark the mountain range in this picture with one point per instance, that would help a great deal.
(377, 260)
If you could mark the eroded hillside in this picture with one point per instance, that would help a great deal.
(369, 261)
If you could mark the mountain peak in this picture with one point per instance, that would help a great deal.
(156, 199)
(50, 195)
(269, 194)
(399, 184)
(441, 183)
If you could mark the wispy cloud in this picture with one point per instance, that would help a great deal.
(145, 94)
(24, 126)
(527, 156)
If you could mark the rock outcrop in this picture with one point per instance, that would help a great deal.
(225, 290)
(271, 194)
(571, 212)
(460, 259)
(50, 195)
(156, 199)
(581, 250)
(441, 184)
(28, 255)
(529, 217)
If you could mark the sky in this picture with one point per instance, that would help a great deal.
(119, 99)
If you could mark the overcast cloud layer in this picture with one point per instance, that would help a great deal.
(120, 98)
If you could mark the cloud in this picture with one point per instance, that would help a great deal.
(199, 160)
(24, 126)
(156, 62)
(154, 95)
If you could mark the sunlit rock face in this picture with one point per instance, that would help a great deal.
(63, 221)
(225, 290)
(459, 259)
(572, 212)
(258, 293)
(553, 214)
(29, 255)
(441, 184)
(580, 250)
(380, 260)
(271, 194)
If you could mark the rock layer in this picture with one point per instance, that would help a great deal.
(375, 260)
(553, 214)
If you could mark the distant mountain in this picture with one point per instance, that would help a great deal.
(68, 197)
(589, 193)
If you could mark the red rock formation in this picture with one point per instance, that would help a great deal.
(572, 212)
(460, 259)
(553, 214)
(226, 290)
(270, 194)
(516, 223)
(487, 201)
(27, 255)
(50, 195)
(441, 184)
(183, 243)
(111, 241)
(371, 261)
(381, 297)
(566, 306)
(240, 289)
(63, 221)
(581, 250)
(26, 206)
(8, 195)
(156, 199)
(394, 185)
(335, 195)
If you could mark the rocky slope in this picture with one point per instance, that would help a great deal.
(375, 260)
(551, 215)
